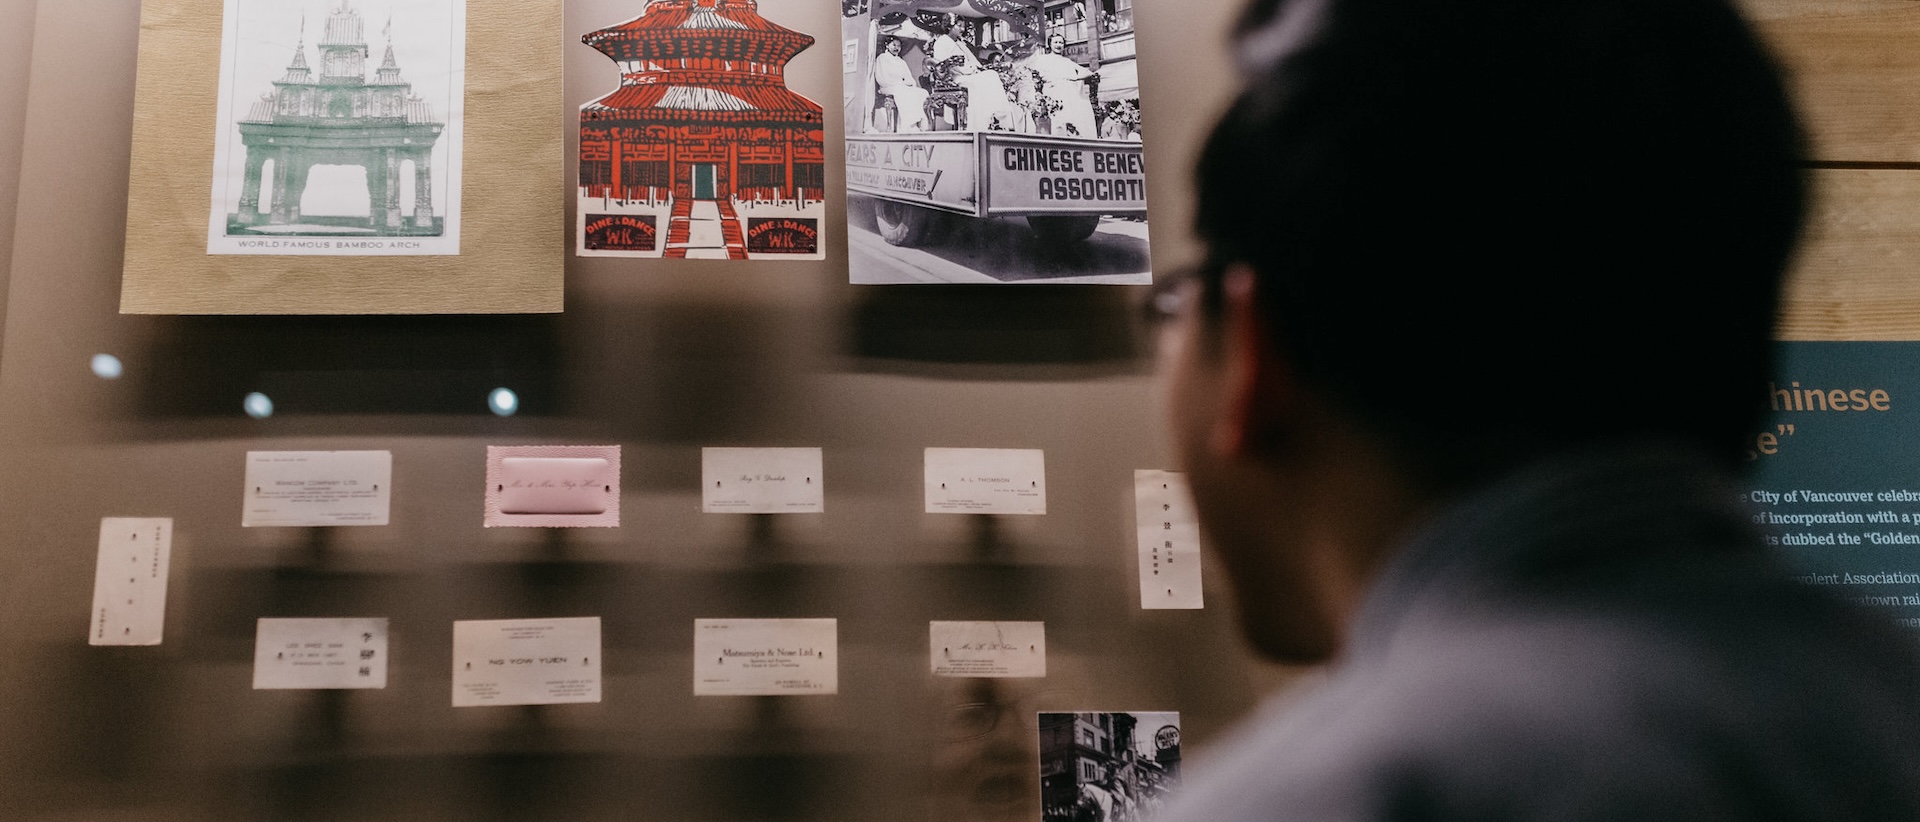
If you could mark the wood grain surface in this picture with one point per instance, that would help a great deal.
(1855, 71)
(1858, 275)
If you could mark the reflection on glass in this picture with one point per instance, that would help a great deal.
(106, 366)
(503, 401)
(257, 406)
(984, 766)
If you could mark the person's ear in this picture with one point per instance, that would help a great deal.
(1258, 380)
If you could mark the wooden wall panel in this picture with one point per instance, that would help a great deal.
(1855, 68)
(1856, 73)
(1858, 276)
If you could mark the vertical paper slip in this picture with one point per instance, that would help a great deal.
(130, 581)
(526, 661)
(761, 481)
(986, 481)
(988, 649)
(1169, 540)
(766, 657)
(317, 654)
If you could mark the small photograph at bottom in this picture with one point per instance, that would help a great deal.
(1107, 767)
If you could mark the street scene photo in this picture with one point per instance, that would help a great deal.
(1107, 767)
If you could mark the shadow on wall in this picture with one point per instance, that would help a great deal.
(919, 329)
(203, 366)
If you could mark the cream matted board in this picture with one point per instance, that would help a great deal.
(511, 207)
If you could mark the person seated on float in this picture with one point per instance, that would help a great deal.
(987, 100)
(894, 78)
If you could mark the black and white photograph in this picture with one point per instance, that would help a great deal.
(993, 141)
(1107, 766)
(339, 128)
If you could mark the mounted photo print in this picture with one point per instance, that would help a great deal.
(702, 151)
(993, 141)
(346, 157)
(337, 146)
(1108, 765)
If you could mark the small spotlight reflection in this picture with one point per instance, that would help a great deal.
(258, 406)
(503, 402)
(107, 366)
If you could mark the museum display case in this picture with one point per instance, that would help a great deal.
(136, 418)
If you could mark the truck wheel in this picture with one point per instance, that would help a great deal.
(1063, 229)
(902, 224)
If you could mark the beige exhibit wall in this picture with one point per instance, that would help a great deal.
(658, 357)
(16, 59)
(661, 358)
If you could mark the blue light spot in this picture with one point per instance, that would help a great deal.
(258, 406)
(503, 401)
(107, 366)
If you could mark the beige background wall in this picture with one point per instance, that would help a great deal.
(16, 60)
(661, 358)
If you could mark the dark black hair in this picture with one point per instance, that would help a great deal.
(1496, 228)
(935, 22)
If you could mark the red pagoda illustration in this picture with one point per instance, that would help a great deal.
(703, 151)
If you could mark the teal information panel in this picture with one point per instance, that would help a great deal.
(1836, 479)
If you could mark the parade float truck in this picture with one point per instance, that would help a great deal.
(920, 182)
(1061, 185)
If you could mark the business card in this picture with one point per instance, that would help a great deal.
(130, 581)
(526, 661)
(1168, 539)
(988, 649)
(319, 654)
(765, 657)
(986, 481)
(553, 486)
(762, 481)
(311, 488)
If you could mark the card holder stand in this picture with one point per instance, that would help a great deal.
(988, 544)
(763, 538)
(317, 551)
